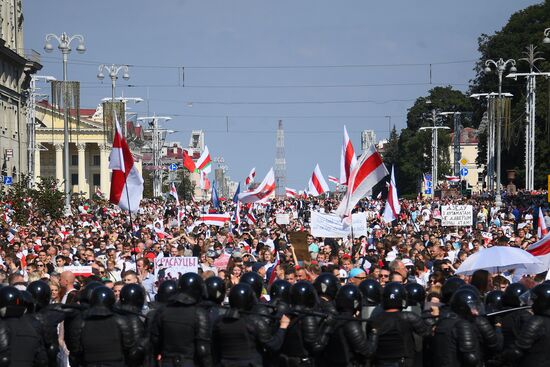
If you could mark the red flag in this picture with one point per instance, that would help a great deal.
(188, 162)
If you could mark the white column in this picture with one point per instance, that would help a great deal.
(82, 185)
(59, 164)
(104, 169)
(36, 165)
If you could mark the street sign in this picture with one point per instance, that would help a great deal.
(8, 180)
(429, 184)
(9, 153)
(463, 161)
(428, 191)
(464, 171)
(173, 167)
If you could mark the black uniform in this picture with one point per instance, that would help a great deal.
(49, 318)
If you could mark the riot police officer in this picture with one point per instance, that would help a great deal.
(456, 341)
(215, 294)
(396, 345)
(132, 300)
(104, 338)
(326, 285)
(372, 295)
(450, 286)
(513, 321)
(167, 289)
(180, 331)
(348, 344)
(531, 347)
(279, 296)
(240, 335)
(308, 332)
(48, 316)
(20, 344)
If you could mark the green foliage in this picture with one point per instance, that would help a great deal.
(19, 194)
(391, 150)
(48, 199)
(185, 188)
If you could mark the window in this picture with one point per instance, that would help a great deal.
(74, 179)
(96, 161)
(96, 179)
(74, 160)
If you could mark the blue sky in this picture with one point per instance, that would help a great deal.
(248, 64)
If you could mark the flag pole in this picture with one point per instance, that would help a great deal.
(131, 222)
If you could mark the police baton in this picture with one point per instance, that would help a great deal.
(509, 310)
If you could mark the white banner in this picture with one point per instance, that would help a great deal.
(174, 267)
(456, 215)
(282, 218)
(331, 225)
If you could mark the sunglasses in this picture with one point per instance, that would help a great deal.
(40, 265)
(384, 275)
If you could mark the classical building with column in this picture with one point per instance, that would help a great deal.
(89, 149)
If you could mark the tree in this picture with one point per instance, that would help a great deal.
(48, 199)
(391, 150)
(185, 188)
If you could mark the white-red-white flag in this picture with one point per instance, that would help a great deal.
(174, 193)
(204, 163)
(291, 193)
(334, 180)
(393, 208)
(237, 215)
(250, 217)
(348, 160)
(251, 176)
(126, 181)
(317, 184)
(541, 225)
(262, 192)
(214, 219)
(452, 178)
(541, 249)
(368, 171)
(204, 182)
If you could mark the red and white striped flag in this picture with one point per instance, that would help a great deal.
(541, 249)
(541, 225)
(452, 178)
(291, 193)
(237, 215)
(272, 271)
(174, 193)
(251, 176)
(126, 181)
(204, 182)
(262, 192)
(250, 218)
(317, 184)
(334, 180)
(368, 171)
(348, 160)
(393, 208)
(204, 163)
(214, 219)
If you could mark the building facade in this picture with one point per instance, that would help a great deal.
(468, 154)
(16, 68)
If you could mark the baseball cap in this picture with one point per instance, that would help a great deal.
(355, 272)
(313, 248)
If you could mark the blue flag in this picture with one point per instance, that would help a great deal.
(215, 200)
(236, 196)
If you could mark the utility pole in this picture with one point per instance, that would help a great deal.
(456, 140)
(158, 137)
(435, 147)
(530, 112)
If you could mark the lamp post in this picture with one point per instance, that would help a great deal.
(64, 46)
(500, 66)
(113, 71)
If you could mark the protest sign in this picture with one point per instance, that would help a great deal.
(174, 267)
(282, 218)
(298, 240)
(333, 226)
(85, 271)
(456, 215)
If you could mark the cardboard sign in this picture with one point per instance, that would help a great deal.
(299, 242)
(331, 225)
(457, 215)
(282, 218)
(174, 267)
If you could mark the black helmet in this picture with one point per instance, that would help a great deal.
(303, 293)
(11, 303)
(166, 290)
(41, 293)
(132, 295)
(466, 303)
(541, 299)
(28, 302)
(493, 301)
(348, 298)
(102, 297)
(372, 292)
(215, 289)
(416, 294)
(242, 297)
(326, 284)
(254, 280)
(510, 298)
(394, 295)
(280, 290)
(192, 285)
(86, 293)
(449, 287)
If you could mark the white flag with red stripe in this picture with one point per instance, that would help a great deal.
(251, 176)
(250, 217)
(126, 181)
(541, 249)
(262, 192)
(174, 193)
(452, 178)
(237, 215)
(291, 193)
(393, 208)
(348, 160)
(334, 180)
(368, 171)
(214, 219)
(204, 163)
(317, 184)
(541, 225)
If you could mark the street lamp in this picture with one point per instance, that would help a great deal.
(500, 66)
(546, 36)
(64, 46)
(113, 71)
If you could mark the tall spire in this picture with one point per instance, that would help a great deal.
(280, 162)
